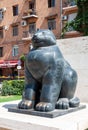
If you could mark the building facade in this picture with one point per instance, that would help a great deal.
(18, 21)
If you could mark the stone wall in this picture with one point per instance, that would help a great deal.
(75, 51)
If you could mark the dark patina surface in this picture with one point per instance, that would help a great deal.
(50, 81)
(50, 114)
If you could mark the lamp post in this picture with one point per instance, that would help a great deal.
(18, 68)
(61, 15)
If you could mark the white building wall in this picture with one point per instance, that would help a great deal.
(75, 50)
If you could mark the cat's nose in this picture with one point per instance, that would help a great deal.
(34, 37)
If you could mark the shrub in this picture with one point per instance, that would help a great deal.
(22, 57)
(12, 87)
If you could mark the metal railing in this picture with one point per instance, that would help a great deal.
(27, 34)
(30, 12)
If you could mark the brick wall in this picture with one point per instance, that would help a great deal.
(43, 13)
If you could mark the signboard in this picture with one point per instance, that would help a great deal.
(18, 67)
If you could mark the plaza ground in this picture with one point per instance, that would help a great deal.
(14, 121)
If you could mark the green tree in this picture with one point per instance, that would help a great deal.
(80, 23)
(81, 20)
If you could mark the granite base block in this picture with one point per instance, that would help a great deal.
(52, 114)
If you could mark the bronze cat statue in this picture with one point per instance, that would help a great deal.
(50, 82)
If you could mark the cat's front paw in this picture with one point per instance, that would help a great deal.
(45, 107)
(25, 104)
(62, 103)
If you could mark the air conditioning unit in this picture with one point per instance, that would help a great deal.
(23, 23)
(4, 9)
(6, 27)
(64, 17)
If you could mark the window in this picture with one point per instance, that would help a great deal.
(15, 50)
(15, 30)
(51, 3)
(1, 72)
(1, 51)
(32, 27)
(51, 24)
(1, 32)
(31, 5)
(15, 10)
(72, 3)
(1, 14)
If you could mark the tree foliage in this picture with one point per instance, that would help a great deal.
(80, 23)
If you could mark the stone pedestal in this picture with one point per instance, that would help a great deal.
(52, 114)
(77, 120)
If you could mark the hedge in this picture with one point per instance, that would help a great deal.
(12, 87)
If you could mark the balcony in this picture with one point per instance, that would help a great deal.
(31, 13)
(31, 0)
(70, 9)
(27, 36)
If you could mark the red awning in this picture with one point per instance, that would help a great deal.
(8, 63)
